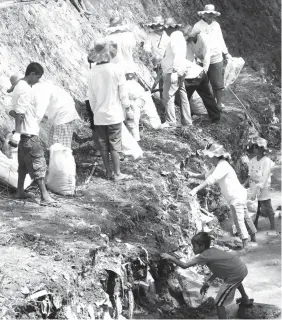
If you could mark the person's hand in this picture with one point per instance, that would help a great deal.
(129, 114)
(166, 256)
(204, 288)
(228, 56)
(174, 78)
(193, 192)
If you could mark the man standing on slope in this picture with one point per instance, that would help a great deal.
(173, 60)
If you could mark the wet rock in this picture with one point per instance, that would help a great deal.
(259, 311)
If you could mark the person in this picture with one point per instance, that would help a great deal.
(173, 60)
(195, 79)
(60, 111)
(30, 151)
(108, 100)
(209, 26)
(232, 190)
(223, 265)
(259, 179)
(119, 32)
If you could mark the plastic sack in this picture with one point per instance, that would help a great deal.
(191, 283)
(62, 169)
(232, 70)
(150, 115)
(9, 172)
(197, 105)
(9, 151)
(130, 146)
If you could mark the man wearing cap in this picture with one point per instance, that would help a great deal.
(108, 100)
(209, 26)
(119, 32)
(173, 60)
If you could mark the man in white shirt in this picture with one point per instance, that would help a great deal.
(60, 111)
(211, 28)
(30, 151)
(108, 100)
(173, 60)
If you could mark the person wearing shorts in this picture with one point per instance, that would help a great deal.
(223, 265)
(208, 26)
(108, 100)
(30, 150)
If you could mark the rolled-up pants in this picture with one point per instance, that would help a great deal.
(169, 91)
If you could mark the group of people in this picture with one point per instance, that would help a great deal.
(115, 97)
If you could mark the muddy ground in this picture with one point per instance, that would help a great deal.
(66, 250)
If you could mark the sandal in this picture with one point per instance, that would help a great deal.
(52, 204)
(246, 305)
(122, 176)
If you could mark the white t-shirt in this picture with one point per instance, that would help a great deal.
(175, 53)
(215, 38)
(107, 93)
(191, 70)
(58, 104)
(125, 44)
(260, 177)
(225, 176)
(156, 44)
(23, 102)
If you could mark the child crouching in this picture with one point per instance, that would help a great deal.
(223, 265)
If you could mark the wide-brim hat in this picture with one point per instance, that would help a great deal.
(209, 8)
(104, 51)
(216, 150)
(14, 79)
(157, 21)
(171, 23)
(259, 142)
(117, 24)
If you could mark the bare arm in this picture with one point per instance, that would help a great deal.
(179, 263)
(18, 122)
(196, 175)
(246, 182)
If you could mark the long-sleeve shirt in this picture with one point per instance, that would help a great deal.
(215, 38)
(23, 103)
(107, 93)
(200, 50)
(175, 53)
(260, 177)
(156, 44)
(225, 176)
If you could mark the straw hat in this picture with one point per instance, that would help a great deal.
(216, 150)
(171, 23)
(14, 79)
(157, 21)
(103, 51)
(209, 8)
(259, 142)
(117, 24)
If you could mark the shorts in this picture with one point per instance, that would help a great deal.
(109, 137)
(62, 134)
(226, 293)
(215, 74)
(31, 157)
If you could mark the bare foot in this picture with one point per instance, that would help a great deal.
(24, 195)
(122, 176)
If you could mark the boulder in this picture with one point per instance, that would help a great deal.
(259, 311)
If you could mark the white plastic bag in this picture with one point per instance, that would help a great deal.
(232, 70)
(9, 172)
(62, 170)
(150, 115)
(9, 151)
(130, 146)
(197, 105)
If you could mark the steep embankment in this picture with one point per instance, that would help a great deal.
(65, 251)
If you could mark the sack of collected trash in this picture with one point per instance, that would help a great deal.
(191, 283)
(232, 70)
(149, 115)
(9, 172)
(197, 105)
(130, 146)
(62, 170)
(8, 150)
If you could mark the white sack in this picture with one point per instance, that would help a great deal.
(150, 115)
(62, 170)
(197, 105)
(130, 146)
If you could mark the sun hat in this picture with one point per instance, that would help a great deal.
(259, 142)
(104, 50)
(14, 79)
(117, 24)
(171, 23)
(216, 150)
(156, 21)
(209, 8)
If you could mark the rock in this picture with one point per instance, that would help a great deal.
(259, 311)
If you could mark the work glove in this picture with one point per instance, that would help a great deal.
(15, 139)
